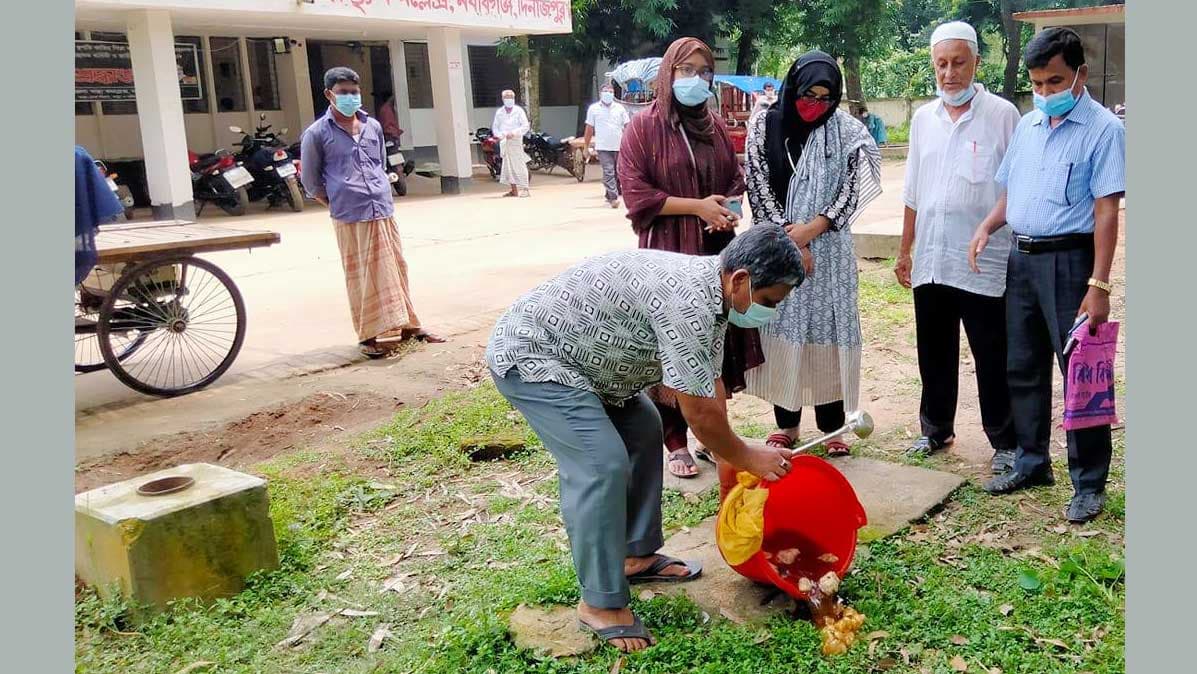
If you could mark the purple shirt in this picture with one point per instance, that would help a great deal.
(350, 174)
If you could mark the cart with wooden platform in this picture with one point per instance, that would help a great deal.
(163, 320)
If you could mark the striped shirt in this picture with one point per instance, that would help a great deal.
(617, 324)
(1053, 176)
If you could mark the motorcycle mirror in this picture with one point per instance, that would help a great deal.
(236, 129)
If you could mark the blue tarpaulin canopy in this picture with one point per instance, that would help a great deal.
(747, 83)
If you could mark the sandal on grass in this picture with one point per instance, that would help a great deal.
(682, 455)
(636, 630)
(653, 573)
(838, 448)
(781, 440)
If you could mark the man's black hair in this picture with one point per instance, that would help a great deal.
(335, 76)
(1051, 41)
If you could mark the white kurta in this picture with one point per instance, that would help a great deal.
(515, 160)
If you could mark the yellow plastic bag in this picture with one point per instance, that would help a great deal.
(740, 528)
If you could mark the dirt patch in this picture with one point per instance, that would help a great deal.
(312, 421)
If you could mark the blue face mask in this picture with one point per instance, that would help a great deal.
(691, 91)
(960, 97)
(607, 97)
(757, 315)
(348, 104)
(1060, 103)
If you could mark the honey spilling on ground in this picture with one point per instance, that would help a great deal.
(838, 624)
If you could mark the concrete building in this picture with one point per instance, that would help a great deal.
(1103, 30)
(156, 78)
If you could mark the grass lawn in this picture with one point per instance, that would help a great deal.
(437, 550)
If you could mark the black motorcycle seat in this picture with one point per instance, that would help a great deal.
(206, 160)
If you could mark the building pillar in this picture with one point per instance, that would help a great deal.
(160, 114)
(452, 112)
(303, 85)
(399, 86)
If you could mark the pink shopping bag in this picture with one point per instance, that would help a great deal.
(1089, 387)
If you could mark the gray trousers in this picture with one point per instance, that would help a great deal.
(609, 160)
(610, 471)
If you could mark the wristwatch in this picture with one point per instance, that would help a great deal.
(1101, 285)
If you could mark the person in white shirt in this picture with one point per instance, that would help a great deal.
(956, 146)
(510, 126)
(764, 98)
(605, 121)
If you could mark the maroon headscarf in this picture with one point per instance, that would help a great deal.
(699, 121)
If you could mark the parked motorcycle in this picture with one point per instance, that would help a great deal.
(272, 167)
(546, 153)
(220, 179)
(490, 151)
(122, 192)
(398, 166)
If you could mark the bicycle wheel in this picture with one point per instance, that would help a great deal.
(87, 345)
(193, 315)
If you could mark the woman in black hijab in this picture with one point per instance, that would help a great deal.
(811, 168)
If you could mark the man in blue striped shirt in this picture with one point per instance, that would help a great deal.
(1064, 174)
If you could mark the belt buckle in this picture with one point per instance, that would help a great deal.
(1023, 243)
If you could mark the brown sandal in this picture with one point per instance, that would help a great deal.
(838, 448)
(781, 440)
(682, 455)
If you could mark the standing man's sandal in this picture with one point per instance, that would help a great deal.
(653, 574)
(1014, 481)
(682, 456)
(1003, 461)
(1085, 507)
(636, 630)
(926, 446)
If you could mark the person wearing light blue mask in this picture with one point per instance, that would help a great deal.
(1065, 175)
(575, 355)
(956, 144)
(344, 167)
(605, 122)
(679, 179)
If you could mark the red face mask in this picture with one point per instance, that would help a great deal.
(809, 111)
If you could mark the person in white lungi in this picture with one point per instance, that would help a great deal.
(510, 126)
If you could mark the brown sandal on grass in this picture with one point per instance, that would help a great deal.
(682, 455)
(781, 440)
(838, 448)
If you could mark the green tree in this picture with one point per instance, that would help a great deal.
(846, 29)
(913, 20)
(600, 30)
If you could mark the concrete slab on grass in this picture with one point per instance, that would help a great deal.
(893, 496)
(551, 631)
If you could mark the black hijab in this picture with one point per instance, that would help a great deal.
(782, 122)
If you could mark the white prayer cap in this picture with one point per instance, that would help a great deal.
(954, 30)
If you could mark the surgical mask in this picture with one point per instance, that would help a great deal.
(691, 91)
(757, 315)
(348, 104)
(607, 97)
(959, 98)
(509, 103)
(1060, 103)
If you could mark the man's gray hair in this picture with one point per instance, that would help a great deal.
(769, 255)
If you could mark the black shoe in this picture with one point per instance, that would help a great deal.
(1014, 481)
(1085, 507)
(926, 446)
(1003, 461)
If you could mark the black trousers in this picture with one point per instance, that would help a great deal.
(939, 310)
(1043, 294)
(828, 416)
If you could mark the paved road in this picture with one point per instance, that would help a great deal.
(469, 257)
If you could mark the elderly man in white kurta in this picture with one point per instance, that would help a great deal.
(956, 146)
(510, 126)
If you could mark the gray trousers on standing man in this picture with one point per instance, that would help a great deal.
(609, 159)
(610, 469)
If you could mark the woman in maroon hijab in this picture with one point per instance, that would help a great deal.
(678, 170)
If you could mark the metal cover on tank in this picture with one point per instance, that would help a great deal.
(120, 501)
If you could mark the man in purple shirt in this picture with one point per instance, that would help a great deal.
(344, 160)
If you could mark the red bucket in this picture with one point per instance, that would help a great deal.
(813, 509)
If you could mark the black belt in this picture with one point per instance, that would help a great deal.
(1032, 245)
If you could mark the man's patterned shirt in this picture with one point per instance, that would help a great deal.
(617, 324)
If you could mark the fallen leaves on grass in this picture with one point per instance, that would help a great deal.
(1006, 609)
(958, 664)
(381, 634)
(959, 640)
(618, 666)
(731, 615)
(195, 666)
